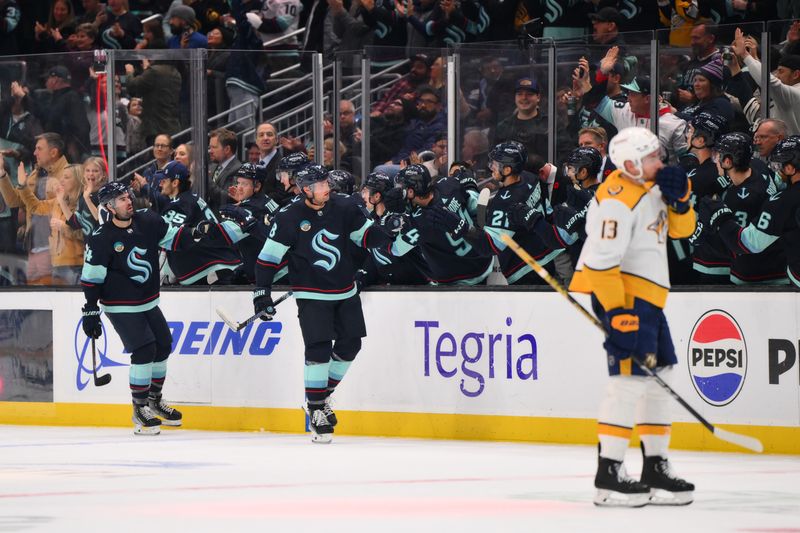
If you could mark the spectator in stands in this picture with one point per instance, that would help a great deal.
(145, 184)
(208, 13)
(784, 85)
(219, 40)
(65, 243)
(253, 153)
(491, 71)
(9, 20)
(680, 16)
(270, 155)
(276, 20)
(527, 125)
(387, 132)
(91, 8)
(452, 22)
(182, 26)
(159, 87)
(422, 132)
(406, 88)
(50, 161)
(245, 74)
(605, 27)
(81, 41)
(134, 140)
(60, 25)
(475, 150)
(769, 133)
(704, 50)
(349, 132)
(709, 94)
(222, 147)
(152, 36)
(597, 138)
(65, 113)
(348, 29)
(118, 27)
(184, 155)
(20, 125)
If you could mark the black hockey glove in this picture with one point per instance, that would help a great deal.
(674, 185)
(394, 200)
(393, 222)
(523, 216)
(239, 215)
(714, 213)
(441, 218)
(263, 304)
(622, 326)
(360, 280)
(91, 321)
(466, 178)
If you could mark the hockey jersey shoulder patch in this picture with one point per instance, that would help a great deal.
(618, 188)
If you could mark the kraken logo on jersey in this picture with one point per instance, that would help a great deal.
(137, 263)
(380, 258)
(321, 244)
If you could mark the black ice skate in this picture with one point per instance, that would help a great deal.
(665, 487)
(616, 489)
(169, 415)
(144, 423)
(331, 416)
(321, 428)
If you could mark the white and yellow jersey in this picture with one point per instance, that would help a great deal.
(625, 253)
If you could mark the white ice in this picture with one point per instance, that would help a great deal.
(106, 479)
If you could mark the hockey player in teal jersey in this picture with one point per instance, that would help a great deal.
(312, 236)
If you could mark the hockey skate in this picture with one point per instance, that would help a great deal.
(169, 415)
(321, 428)
(329, 414)
(144, 423)
(665, 487)
(616, 489)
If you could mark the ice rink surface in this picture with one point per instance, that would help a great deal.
(106, 479)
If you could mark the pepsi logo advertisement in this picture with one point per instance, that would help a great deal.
(717, 358)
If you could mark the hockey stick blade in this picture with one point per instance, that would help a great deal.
(483, 201)
(747, 442)
(228, 320)
(99, 381)
(238, 326)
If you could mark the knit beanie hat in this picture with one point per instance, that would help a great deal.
(713, 71)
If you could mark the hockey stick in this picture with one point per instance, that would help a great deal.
(744, 441)
(238, 326)
(99, 381)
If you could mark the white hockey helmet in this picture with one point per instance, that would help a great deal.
(632, 144)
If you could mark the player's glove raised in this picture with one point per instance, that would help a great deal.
(622, 326)
(263, 304)
(91, 321)
(674, 185)
(239, 215)
(394, 200)
(466, 179)
(522, 215)
(445, 219)
(714, 213)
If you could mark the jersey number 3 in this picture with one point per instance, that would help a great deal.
(609, 230)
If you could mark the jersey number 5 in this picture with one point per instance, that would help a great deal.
(609, 230)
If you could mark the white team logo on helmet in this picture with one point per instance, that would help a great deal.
(632, 144)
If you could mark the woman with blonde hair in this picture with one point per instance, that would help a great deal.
(66, 244)
(85, 216)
